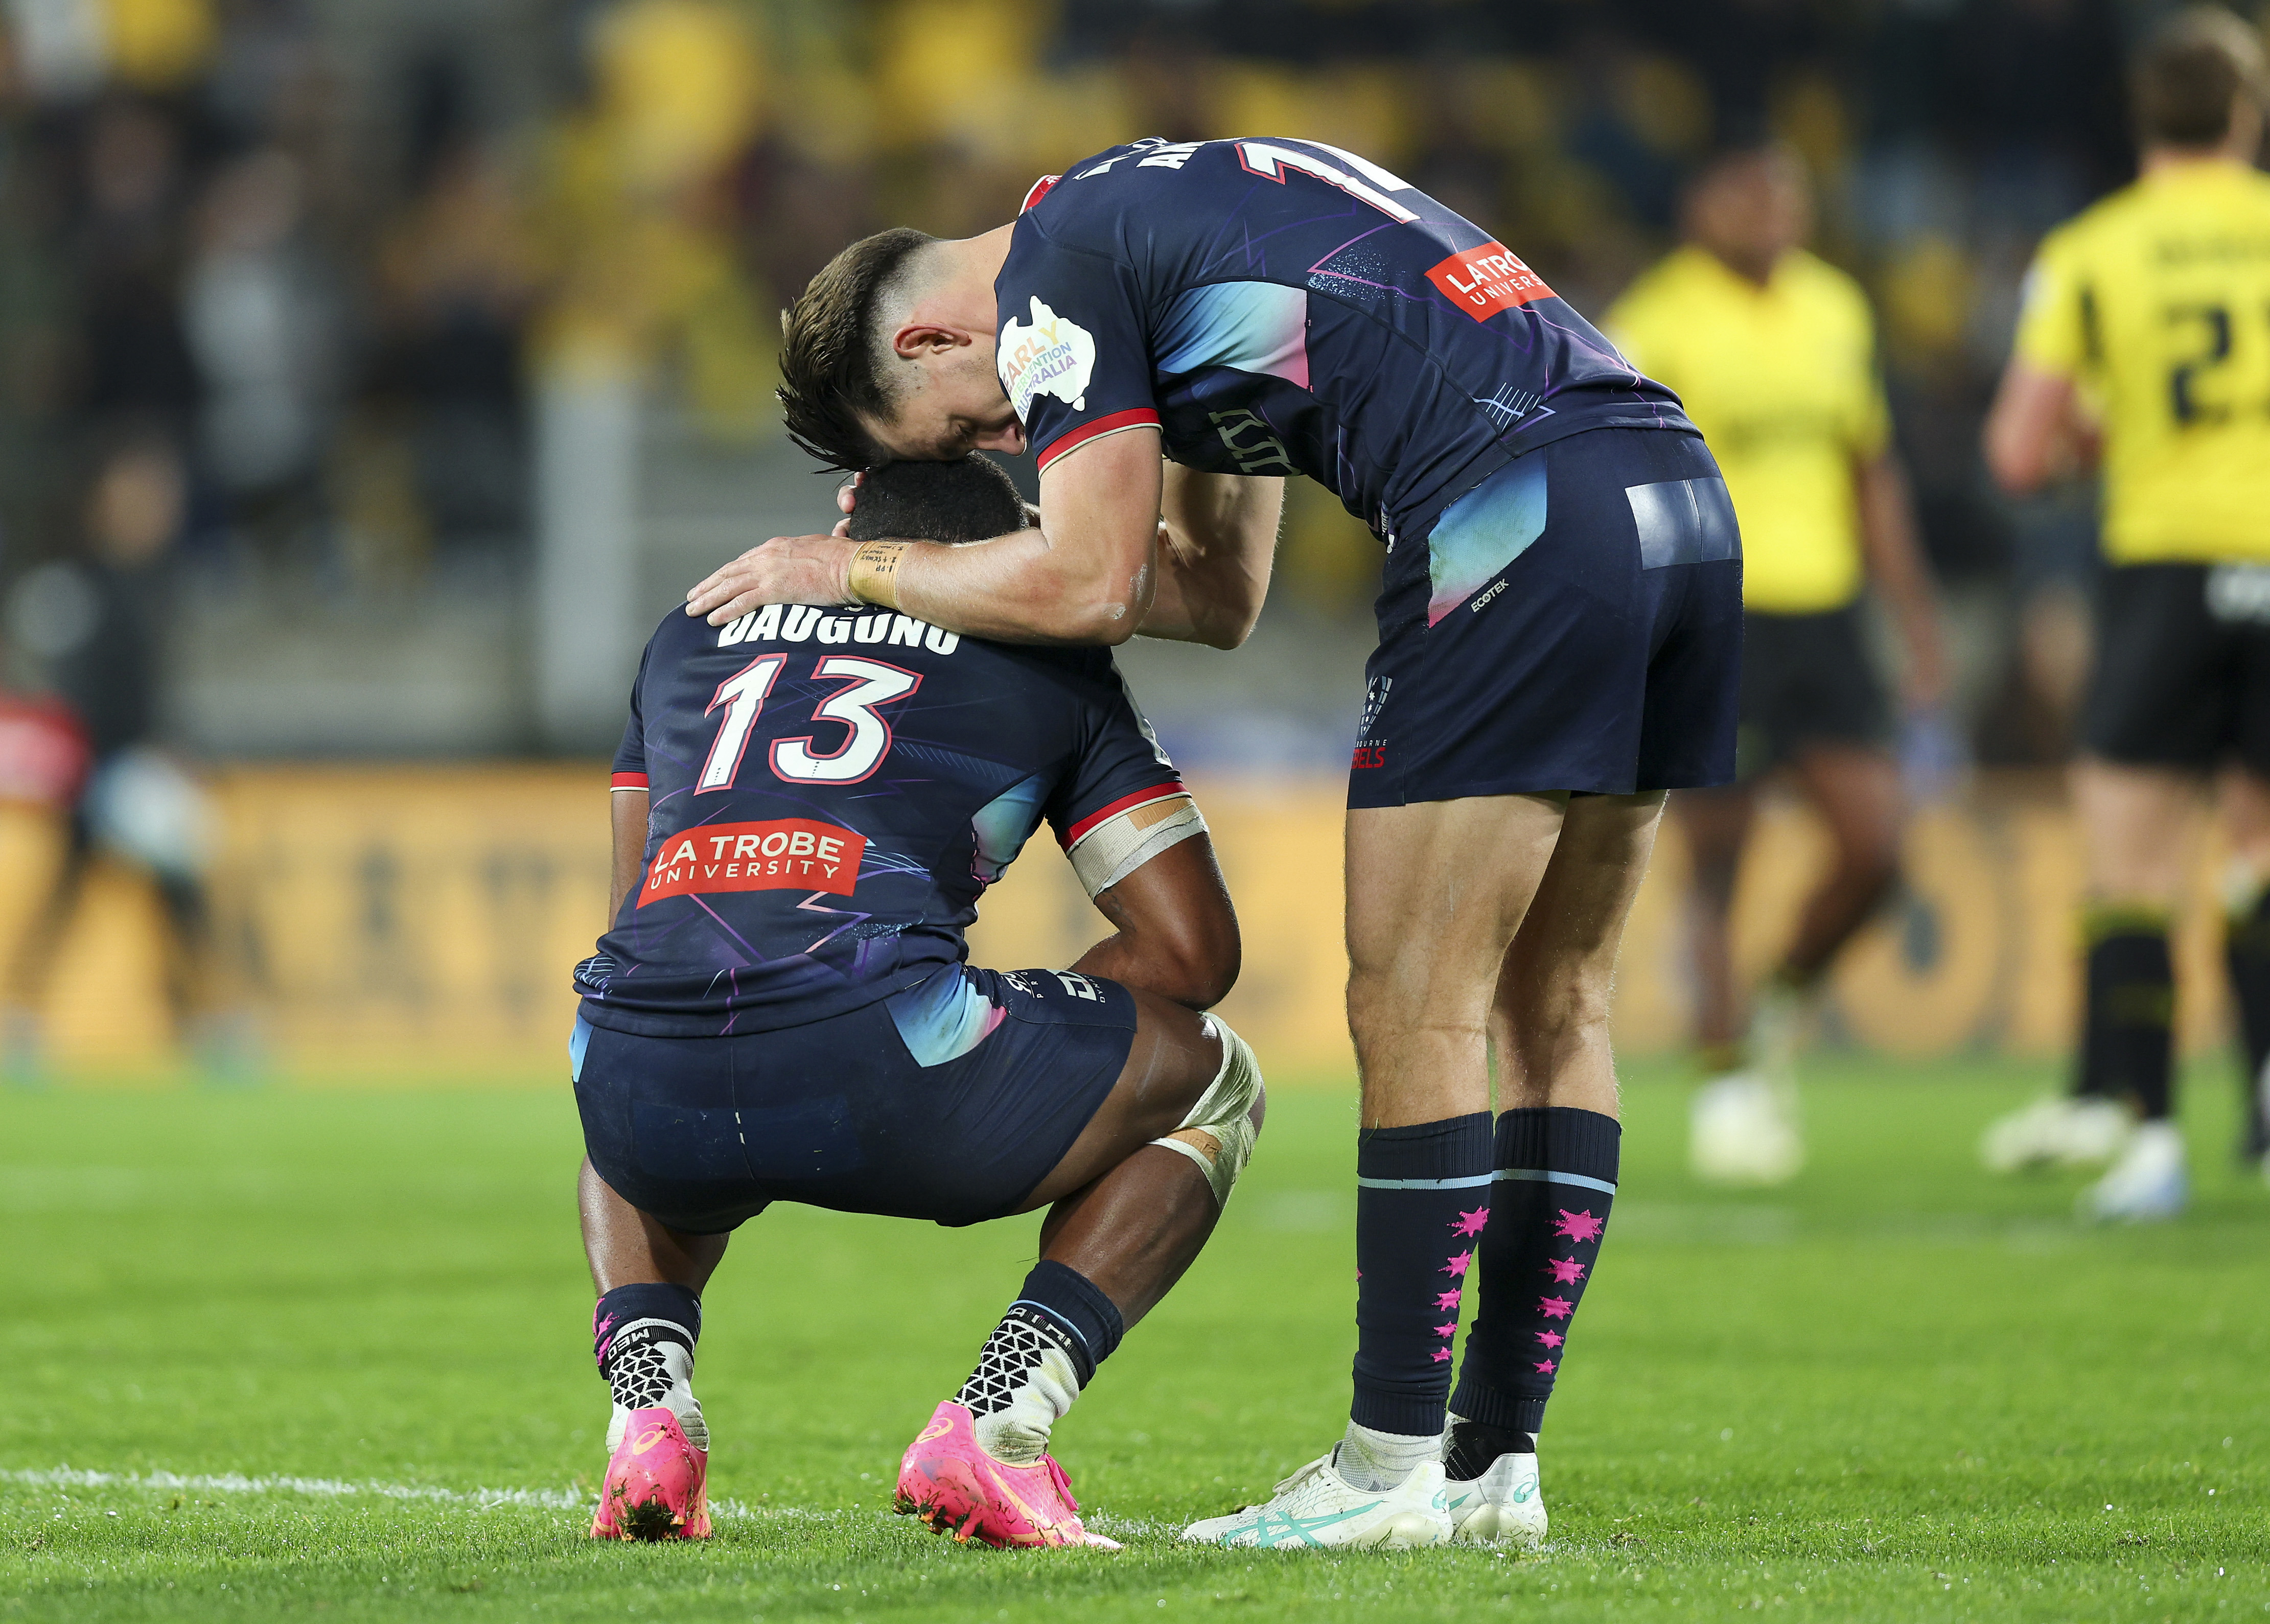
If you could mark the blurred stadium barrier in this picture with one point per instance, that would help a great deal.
(417, 923)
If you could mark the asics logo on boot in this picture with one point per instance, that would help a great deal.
(1271, 1528)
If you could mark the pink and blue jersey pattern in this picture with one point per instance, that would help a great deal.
(1275, 307)
(830, 792)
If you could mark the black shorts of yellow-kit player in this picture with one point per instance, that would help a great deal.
(2182, 678)
(1808, 682)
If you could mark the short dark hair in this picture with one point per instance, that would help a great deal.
(971, 499)
(1744, 145)
(2190, 74)
(831, 362)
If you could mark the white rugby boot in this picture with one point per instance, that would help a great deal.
(2059, 1131)
(2150, 1181)
(1742, 1130)
(1317, 1509)
(1502, 1504)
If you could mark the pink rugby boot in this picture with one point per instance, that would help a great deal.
(657, 1483)
(948, 1480)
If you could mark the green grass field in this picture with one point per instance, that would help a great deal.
(1897, 1390)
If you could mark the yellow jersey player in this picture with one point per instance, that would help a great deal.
(2146, 337)
(1773, 352)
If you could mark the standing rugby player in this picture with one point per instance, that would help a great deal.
(1560, 625)
(2146, 323)
(1774, 354)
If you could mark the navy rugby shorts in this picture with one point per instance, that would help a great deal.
(1572, 623)
(950, 1101)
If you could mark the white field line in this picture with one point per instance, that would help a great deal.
(237, 1483)
(480, 1499)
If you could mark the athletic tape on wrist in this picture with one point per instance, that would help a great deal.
(875, 577)
(1116, 848)
(1218, 1133)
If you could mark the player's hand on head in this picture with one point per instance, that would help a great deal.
(847, 500)
(787, 569)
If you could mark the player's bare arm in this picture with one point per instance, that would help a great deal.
(1217, 545)
(2037, 431)
(1896, 564)
(626, 810)
(1175, 933)
(1084, 576)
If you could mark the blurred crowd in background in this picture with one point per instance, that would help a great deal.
(374, 372)
(317, 256)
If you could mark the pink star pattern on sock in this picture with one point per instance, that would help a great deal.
(1449, 1299)
(1450, 1329)
(1551, 1339)
(1470, 1224)
(1442, 1356)
(1546, 1367)
(1577, 1226)
(1458, 1264)
(1564, 1271)
(1555, 1307)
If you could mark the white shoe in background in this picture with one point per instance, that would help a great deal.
(1742, 1130)
(2149, 1183)
(2062, 1130)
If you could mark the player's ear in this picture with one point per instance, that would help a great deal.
(917, 339)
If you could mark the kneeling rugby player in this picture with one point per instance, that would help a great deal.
(808, 804)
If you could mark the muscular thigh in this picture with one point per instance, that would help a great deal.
(1436, 890)
(1174, 1058)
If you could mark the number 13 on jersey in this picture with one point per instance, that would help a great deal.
(742, 697)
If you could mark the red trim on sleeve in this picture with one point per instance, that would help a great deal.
(1040, 191)
(1134, 417)
(627, 780)
(1126, 802)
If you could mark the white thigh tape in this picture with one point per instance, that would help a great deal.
(1218, 1133)
(1116, 848)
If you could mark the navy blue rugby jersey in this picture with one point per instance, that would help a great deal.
(830, 792)
(1279, 306)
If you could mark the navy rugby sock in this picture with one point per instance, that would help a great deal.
(2127, 1034)
(1422, 1198)
(1045, 1349)
(1556, 1180)
(643, 1337)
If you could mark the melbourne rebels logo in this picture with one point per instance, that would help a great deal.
(1055, 355)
